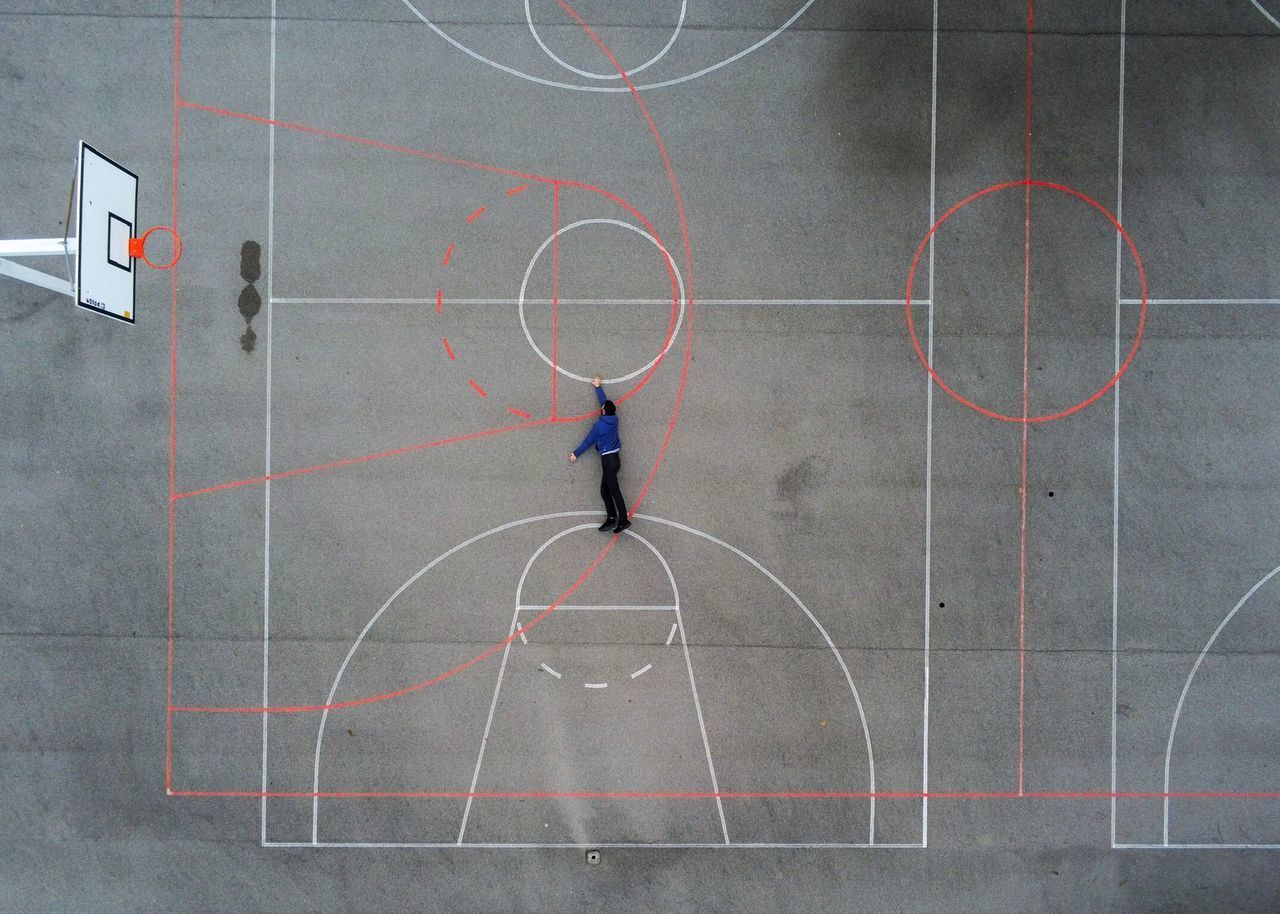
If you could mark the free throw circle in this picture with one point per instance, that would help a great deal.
(671, 265)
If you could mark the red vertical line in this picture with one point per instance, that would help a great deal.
(1026, 365)
(555, 291)
(448, 254)
(173, 409)
(447, 347)
(439, 301)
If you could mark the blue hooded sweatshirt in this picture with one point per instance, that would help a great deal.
(603, 434)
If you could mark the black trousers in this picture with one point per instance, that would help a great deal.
(614, 506)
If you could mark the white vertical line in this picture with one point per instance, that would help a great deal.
(697, 707)
(266, 489)
(1115, 448)
(493, 706)
(928, 442)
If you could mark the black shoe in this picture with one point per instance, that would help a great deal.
(622, 525)
(608, 524)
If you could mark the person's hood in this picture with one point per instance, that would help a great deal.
(610, 420)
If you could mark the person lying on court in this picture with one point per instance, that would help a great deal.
(604, 435)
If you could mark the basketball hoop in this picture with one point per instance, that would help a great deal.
(138, 248)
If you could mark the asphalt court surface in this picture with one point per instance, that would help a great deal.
(865, 646)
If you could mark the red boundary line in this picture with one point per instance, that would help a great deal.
(671, 425)
(477, 388)
(738, 794)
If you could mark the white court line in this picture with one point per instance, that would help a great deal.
(548, 669)
(1272, 19)
(502, 669)
(513, 302)
(528, 18)
(670, 637)
(644, 669)
(596, 685)
(1177, 712)
(578, 607)
(342, 668)
(639, 87)
(1197, 847)
(589, 845)
(266, 488)
(1115, 430)
(364, 632)
(1202, 301)
(928, 442)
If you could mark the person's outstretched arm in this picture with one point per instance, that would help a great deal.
(585, 445)
(595, 382)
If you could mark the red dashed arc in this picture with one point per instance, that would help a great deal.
(684, 373)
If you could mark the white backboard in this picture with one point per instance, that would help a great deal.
(106, 218)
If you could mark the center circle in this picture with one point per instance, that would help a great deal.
(1142, 315)
(528, 16)
(678, 282)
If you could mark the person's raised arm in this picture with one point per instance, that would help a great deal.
(595, 382)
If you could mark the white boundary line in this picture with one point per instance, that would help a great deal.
(1115, 429)
(928, 441)
(1195, 668)
(266, 488)
(514, 302)
(655, 845)
(1202, 301)
(1197, 847)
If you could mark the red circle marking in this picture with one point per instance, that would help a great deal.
(142, 247)
(1142, 315)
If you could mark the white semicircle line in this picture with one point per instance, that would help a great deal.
(639, 88)
(1177, 712)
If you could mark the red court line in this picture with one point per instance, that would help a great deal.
(373, 699)
(173, 404)
(448, 254)
(363, 141)
(737, 794)
(439, 301)
(661, 454)
(1026, 393)
(555, 292)
(351, 461)
(517, 190)
(476, 215)
(478, 389)
(518, 412)
(688, 250)
(448, 348)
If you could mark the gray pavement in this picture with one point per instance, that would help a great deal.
(866, 647)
